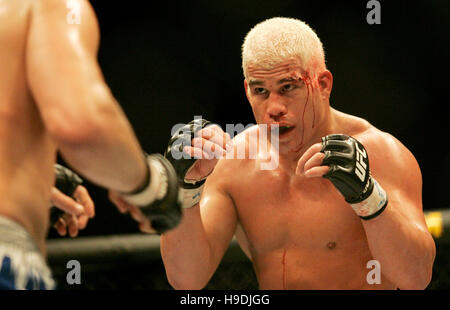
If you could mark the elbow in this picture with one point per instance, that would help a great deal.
(420, 277)
(418, 282)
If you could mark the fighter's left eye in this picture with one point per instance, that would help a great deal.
(287, 87)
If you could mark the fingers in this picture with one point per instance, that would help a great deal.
(213, 140)
(196, 152)
(121, 205)
(135, 212)
(82, 196)
(314, 161)
(317, 172)
(65, 203)
(211, 148)
(216, 134)
(78, 210)
(67, 223)
(145, 227)
(314, 149)
(309, 165)
(60, 227)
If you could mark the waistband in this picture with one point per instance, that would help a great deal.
(20, 257)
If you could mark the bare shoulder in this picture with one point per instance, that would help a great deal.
(74, 16)
(392, 164)
(390, 160)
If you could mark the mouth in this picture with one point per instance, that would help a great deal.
(283, 129)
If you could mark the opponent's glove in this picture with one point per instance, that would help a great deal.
(190, 190)
(162, 207)
(350, 174)
(66, 181)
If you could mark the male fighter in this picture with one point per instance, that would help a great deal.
(344, 197)
(53, 98)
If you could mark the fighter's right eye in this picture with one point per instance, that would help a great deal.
(259, 90)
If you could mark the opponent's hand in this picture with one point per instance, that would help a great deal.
(194, 150)
(344, 161)
(76, 210)
(135, 212)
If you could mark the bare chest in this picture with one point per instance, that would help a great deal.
(277, 211)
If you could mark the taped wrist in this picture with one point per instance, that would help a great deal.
(155, 186)
(350, 174)
(159, 198)
(373, 205)
(190, 196)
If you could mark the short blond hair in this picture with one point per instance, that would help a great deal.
(280, 38)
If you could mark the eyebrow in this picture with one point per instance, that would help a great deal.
(285, 80)
(259, 82)
(255, 82)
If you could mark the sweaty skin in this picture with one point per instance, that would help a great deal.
(27, 152)
(292, 223)
(53, 97)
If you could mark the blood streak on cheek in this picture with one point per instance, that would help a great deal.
(307, 81)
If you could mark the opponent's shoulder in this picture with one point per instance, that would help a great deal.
(70, 17)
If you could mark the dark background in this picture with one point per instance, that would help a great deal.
(167, 61)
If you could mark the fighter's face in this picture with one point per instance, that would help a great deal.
(283, 95)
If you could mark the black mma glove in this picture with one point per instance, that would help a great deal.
(66, 181)
(158, 197)
(190, 191)
(350, 174)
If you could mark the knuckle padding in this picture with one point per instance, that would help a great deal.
(340, 179)
(337, 158)
(186, 134)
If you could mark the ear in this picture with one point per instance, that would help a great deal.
(246, 89)
(325, 80)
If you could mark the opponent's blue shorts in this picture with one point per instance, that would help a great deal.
(22, 266)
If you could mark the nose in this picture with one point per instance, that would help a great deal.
(275, 107)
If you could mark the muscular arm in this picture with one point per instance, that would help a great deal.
(399, 238)
(77, 107)
(192, 251)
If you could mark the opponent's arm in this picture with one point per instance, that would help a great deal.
(387, 197)
(77, 107)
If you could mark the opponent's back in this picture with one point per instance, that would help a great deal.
(27, 152)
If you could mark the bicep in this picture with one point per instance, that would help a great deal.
(61, 56)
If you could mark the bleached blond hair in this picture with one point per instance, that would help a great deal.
(278, 39)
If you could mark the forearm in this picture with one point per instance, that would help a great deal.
(186, 253)
(105, 151)
(404, 249)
